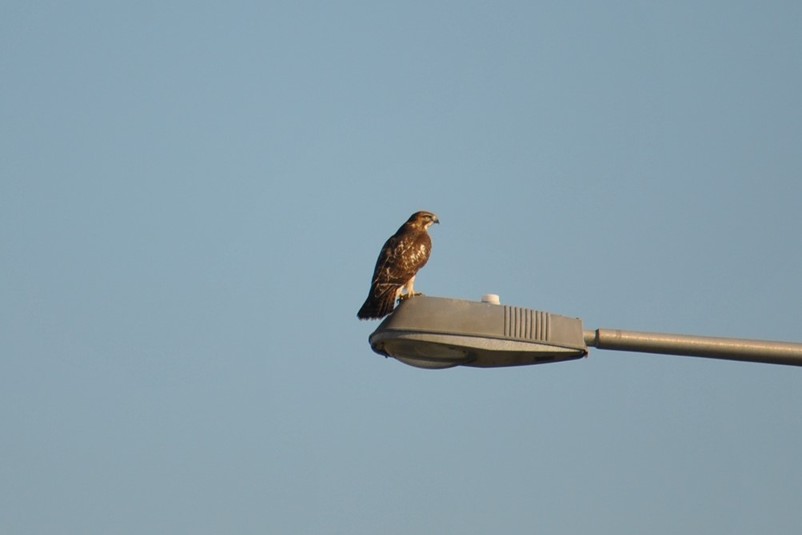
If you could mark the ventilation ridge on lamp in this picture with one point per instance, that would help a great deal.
(526, 324)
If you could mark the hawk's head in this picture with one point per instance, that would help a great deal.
(423, 220)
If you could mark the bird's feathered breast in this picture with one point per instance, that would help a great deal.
(402, 255)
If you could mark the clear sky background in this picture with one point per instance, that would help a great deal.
(193, 196)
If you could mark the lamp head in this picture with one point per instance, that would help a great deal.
(433, 332)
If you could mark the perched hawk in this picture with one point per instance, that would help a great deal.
(399, 260)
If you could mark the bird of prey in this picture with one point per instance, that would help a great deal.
(399, 261)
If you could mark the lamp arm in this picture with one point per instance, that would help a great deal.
(768, 352)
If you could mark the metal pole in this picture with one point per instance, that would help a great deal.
(697, 346)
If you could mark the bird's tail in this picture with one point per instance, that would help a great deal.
(379, 303)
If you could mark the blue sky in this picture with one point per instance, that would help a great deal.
(192, 197)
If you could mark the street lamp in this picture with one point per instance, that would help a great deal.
(434, 332)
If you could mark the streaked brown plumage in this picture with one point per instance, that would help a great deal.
(399, 261)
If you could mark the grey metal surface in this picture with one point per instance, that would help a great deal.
(435, 332)
(768, 352)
